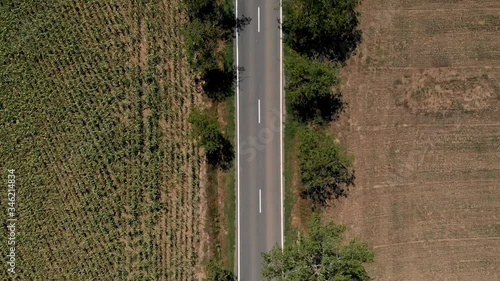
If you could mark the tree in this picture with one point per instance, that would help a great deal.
(310, 89)
(325, 169)
(206, 128)
(320, 254)
(322, 28)
(210, 26)
(201, 40)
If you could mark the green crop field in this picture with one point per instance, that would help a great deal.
(93, 107)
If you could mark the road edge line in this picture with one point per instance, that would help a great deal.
(281, 122)
(238, 137)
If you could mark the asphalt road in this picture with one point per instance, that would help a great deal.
(259, 136)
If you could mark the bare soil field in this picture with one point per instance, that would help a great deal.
(423, 122)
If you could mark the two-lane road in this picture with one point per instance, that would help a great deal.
(259, 133)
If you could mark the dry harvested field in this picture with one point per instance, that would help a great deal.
(94, 105)
(423, 122)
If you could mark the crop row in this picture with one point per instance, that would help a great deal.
(113, 185)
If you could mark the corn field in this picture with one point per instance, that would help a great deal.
(94, 105)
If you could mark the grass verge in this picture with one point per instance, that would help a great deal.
(230, 205)
(230, 117)
(295, 208)
(289, 197)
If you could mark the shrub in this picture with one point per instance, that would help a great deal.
(217, 273)
(220, 151)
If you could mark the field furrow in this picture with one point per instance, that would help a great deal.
(424, 125)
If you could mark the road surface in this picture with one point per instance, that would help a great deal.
(259, 134)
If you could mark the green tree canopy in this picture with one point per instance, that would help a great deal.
(318, 255)
(206, 128)
(325, 168)
(211, 25)
(201, 40)
(322, 28)
(217, 273)
(310, 89)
